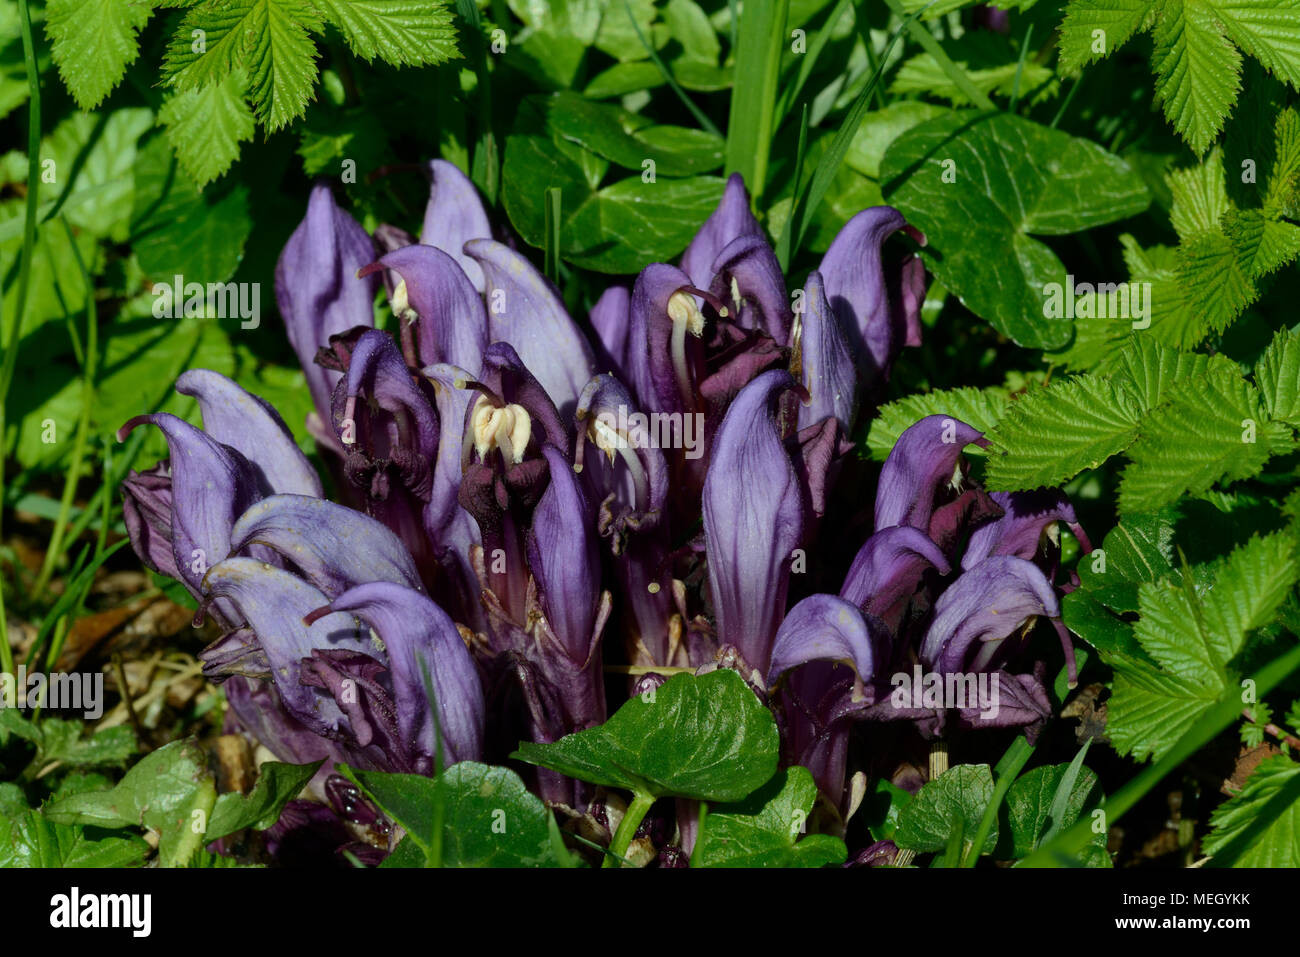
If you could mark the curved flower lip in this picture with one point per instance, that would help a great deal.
(316, 287)
(730, 221)
(888, 568)
(452, 325)
(274, 603)
(1019, 532)
(335, 547)
(454, 216)
(753, 519)
(421, 639)
(605, 406)
(512, 381)
(921, 462)
(564, 559)
(249, 425)
(982, 608)
(211, 486)
(525, 311)
(824, 360)
(858, 291)
(665, 356)
(825, 628)
(747, 273)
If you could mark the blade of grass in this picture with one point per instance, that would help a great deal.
(808, 61)
(1020, 69)
(783, 242)
(24, 272)
(699, 115)
(486, 166)
(54, 552)
(839, 148)
(753, 96)
(1007, 770)
(1065, 104)
(1061, 799)
(931, 46)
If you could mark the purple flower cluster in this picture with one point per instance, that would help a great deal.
(521, 497)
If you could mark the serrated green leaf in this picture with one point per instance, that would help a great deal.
(31, 840)
(1260, 827)
(955, 799)
(1284, 177)
(205, 126)
(764, 829)
(1117, 20)
(1212, 429)
(400, 32)
(268, 39)
(1197, 71)
(1277, 373)
(1200, 197)
(1193, 636)
(1055, 433)
(93, 42)
(705, 737)
(1150, 368)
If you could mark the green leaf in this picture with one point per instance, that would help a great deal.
(980, 408)
(93, 42)
(31, 840)
(764, 829)
(1193, 638)
(707, 738)
(629, 140)
(169, 791)
(205, 126)
(277, 785)
(489, 817)
(1033, 796)
(1277, 373)
(989, 61)
(955, 800)
(400, 32)
(1197, 54)
(973, 183)
(1211, 429)
(179, 230)
(267, 39)
(1260, 827)
(1150, 368)
(1054, 433)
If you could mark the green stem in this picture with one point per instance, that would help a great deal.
(24, 272)
(55, 550)
(1012, 763)
(636, 812)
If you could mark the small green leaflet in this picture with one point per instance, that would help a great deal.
(973, 183)
(1212, 429)
(400, 32)
(277, 784)
(979, 408)
(953, 801)
(205, 126)
(489, 818)
(32, 840)
(764, 830)
(1277, 374)
(1193, 635)
(1198, 50)
(1260, 827)
(93, 42)
(705, 737)
(1053, 434)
